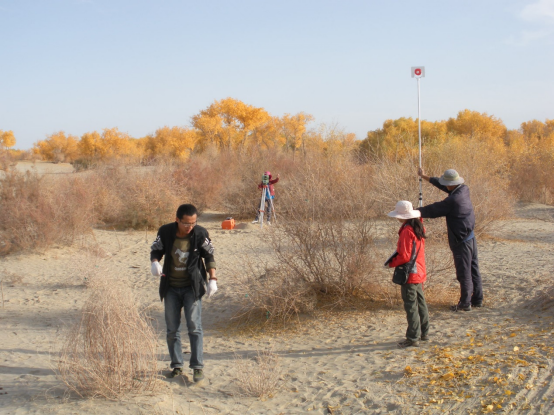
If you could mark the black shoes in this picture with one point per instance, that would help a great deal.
(198, 375)
(176, 372)
(459, 308)
(407, 343)
(477, 305)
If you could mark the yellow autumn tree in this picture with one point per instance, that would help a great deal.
(90, 146)
(396, 137)
(270, 134)
(7, 139)
(111, 144)
(536, 132)
(173, 142)
(58, 147)
(294, 130)
(475, 124)
(229, 123)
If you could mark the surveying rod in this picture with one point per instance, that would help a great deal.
(419, 72)
(419, 134)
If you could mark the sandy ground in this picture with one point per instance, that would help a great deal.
(43, 168)
(497, 359)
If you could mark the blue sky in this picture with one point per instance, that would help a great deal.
(80, 66)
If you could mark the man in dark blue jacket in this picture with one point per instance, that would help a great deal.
(460, 222)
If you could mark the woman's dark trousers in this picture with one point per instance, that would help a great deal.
(416, 311)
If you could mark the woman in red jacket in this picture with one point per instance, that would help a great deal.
(412, 292)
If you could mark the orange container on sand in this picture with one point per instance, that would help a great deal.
(228, 224)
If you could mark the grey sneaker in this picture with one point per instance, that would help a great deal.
(477, 305)
(407, 343)
(425, 338)
(198, 375)
(176, 372)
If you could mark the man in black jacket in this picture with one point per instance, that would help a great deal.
(460, 222)
(186, 247)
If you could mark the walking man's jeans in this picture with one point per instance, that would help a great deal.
(467, 273)
(178, 298)
(416, 311)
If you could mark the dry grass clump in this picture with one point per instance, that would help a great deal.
(259, 376)
(111, 350)
(38, 211)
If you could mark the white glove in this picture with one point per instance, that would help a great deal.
(212, 287)
(156, 268)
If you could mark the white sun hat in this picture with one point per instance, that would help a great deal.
(451, 177)
(404, 210)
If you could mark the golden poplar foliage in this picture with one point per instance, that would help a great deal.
(230, 123)
(473, 123)
(397, 137)
(7, 139)
(58, 147)
(294, 130)
(172, 142)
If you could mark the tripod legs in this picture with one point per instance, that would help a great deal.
(270, 209)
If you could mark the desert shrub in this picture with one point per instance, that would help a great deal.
(131, 196)
(325, 235)
(258, 376)
(228, 180)
(530, 175)
(111, 350)
(36, 212)
(275, 295)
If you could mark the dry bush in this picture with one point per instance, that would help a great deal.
(531, 177)
(325, 238)
(111, 350)
(228, 180)
(274, 296)
(131, 196)
(259, 376)
(36, 212)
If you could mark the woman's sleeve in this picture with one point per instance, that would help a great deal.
(404, 249)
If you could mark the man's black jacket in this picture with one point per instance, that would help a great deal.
(458, 210)
(201, 249)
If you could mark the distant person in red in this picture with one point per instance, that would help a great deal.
(269, 195)
(412, 292)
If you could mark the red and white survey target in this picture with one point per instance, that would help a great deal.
(418, 71)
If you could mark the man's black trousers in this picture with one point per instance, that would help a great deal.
(467, 273)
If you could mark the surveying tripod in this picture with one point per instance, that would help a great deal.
(266, 195)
